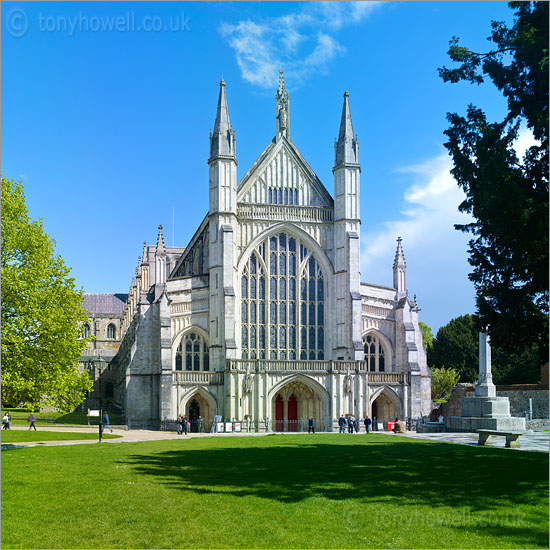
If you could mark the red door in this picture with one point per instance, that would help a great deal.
(279, 414)
(292, 414)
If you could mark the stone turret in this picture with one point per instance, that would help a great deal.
(222, 139)
(346, 148)
(400, 270)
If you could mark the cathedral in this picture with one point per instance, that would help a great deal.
(262, 318)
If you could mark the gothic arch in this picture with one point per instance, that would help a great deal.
(294, 231)
(386, 344)
(393, 400)
(178, 338)
(306, 380)
(192, 392)
(201, 399)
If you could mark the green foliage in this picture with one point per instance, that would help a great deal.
(41, 313)
(507, 195)
(280, 491)
(456, 346)
(443, 381)
(427, 335)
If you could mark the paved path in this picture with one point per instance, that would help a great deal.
(530, 441)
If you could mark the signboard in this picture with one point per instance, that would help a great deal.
(380, 427)
(237, 426)
(228, 427)
(93, 412)
(390, 425)
(219, 427)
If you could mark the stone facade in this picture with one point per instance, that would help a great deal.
(105, 326)
(263, 317)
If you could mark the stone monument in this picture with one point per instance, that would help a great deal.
(485, 411)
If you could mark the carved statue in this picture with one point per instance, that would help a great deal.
(282, 117)
(247, 383)
(348, 383)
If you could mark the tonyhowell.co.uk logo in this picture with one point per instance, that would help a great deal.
(17, 22)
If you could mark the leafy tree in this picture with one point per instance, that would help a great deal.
(427, 335)
(507, 195)
(443, 381)
(456, 345)
(42, 315)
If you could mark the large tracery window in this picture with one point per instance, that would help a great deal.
(282, 302)
(192, 353)
(374, 354)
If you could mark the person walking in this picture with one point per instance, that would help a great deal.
(32, 420)
(106, 422)
(311, 425)
(342, 423)
(185, 425)
(368, 422)
(180, 424)
(6, 422)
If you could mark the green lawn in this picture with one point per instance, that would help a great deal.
(19, 418)
(18, 436)
(278, 491)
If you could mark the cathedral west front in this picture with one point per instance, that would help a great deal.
(262, 318)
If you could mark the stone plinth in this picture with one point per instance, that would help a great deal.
(474, 423)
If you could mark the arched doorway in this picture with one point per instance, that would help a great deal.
(203, 406)
(386, 407)
(294, 403)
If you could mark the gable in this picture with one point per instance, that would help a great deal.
(282, 176)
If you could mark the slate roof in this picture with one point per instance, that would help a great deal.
(112, 304)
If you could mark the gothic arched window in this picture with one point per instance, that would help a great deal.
(86, 331)
(111, 331)
(282, 302)
(192, 353)
(374, 354)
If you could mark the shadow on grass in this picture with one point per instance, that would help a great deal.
(374, 469)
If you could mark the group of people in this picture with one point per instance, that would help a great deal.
(183, 425)
(352, 424)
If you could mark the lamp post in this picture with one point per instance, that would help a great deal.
(100, 360)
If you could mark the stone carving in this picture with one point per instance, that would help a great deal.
(247, 383)
(282, 117)
(348, 383)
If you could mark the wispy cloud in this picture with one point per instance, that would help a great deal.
(301, 42)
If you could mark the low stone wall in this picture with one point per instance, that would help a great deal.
(518, 396)
(519, 400)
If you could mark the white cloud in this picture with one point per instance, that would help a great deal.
(301, 42)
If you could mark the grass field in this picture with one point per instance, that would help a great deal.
(19, 418)
(277, 491)
(19, 436)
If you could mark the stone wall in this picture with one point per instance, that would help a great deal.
(518, 396)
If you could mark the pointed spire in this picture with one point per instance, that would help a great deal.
(282, 109)
(400, 270)
(347, 147)
(145, 259)
(160, 242)
(222, 138)
(399, 260)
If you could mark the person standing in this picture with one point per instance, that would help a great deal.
(184, 425)
(311, 425)
(350, 423)
(368, 422)
(180, 424)
(342, 423)
(106, 422)
(200, 424)
(32, 420)
(6, 422)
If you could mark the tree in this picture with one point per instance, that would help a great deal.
(42, 315)
(443, 381)
(456, 346)
(427, 335)
(507, 195)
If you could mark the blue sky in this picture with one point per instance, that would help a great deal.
(106, 109)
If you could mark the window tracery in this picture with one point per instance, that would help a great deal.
(374, 353)
(192, 353)
(282, 302)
